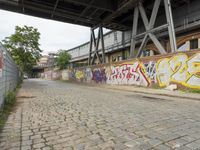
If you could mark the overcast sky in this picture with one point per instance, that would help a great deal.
(54, 35)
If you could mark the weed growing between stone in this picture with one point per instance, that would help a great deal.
(9, 103)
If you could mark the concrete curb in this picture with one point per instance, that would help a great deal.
(159, 92)
(143, 90)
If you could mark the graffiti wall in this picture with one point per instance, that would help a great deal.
(65, 75)
(132, 73)
(182, 69)
(52, 75)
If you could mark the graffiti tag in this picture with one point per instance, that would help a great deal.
(179, 69)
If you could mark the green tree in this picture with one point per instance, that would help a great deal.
(62, 59)
(23, 46)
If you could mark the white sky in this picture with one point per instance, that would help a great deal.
(54, 35)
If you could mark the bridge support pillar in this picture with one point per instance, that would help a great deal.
(150, 33)
(95, 51)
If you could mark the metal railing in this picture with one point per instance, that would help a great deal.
(9, 74)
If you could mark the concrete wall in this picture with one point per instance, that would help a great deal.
(182, 69)
(51, 75)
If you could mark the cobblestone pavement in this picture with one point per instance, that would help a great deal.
(64, 116)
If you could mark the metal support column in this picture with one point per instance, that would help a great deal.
(150, 29)
(94, 43)
(134, 31)
(170, 22)
(90, 50)
(102, 44)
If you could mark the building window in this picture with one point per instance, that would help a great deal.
(146, 53)
(119, 58)
(194, 44)
(125, 55)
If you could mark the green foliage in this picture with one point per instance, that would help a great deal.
(9, 103)
(10, 100)
(192, 90)
(62, 61)
(23, 45)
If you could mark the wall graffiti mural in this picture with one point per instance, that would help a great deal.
(65, 75)
(88, 75)
(179, 69)
(150, 68)
(132, 74)
(99, 75)
(79, 74)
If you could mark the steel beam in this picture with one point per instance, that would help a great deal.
(154, 14)
(154, 30)
(96, 54)
(134, 31)
(150, 29)
(103, 4)
(90, 50)
(94, 43)
(102, 44)
(144, 42)
(54, 9)
(157, 43)
(171, 30)
(144, 16)
(86, 8)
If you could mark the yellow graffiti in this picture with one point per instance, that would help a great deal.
(79, 75)
(179, 69)
(193, 79)
(163, 72)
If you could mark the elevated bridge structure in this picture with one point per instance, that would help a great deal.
(139, 16)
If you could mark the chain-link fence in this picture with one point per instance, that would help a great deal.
(9, 74)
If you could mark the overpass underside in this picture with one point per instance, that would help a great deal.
(146, 19)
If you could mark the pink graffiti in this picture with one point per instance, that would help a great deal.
(128, 74)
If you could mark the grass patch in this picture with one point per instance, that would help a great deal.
(10, 100)
(194, 91)
(191, 90)
(156, 86)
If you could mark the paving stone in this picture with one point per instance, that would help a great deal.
(38, 145)
(26, 148)
(193, 145)
(163, 147)
(131, 144)
(71, 116)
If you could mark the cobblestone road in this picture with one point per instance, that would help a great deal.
(57, 115)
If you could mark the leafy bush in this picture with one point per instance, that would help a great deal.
(10, 98)
(8, 105)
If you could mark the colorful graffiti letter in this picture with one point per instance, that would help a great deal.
(99, 75)
(150, 68)
(163, 72)
(79, 75)
(193, 79)
(128, 74)
(179, 69)
(178, 64)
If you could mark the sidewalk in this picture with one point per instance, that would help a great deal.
(144, 90)
(151, 91)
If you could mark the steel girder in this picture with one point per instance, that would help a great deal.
(94, 46)
(150, 29)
